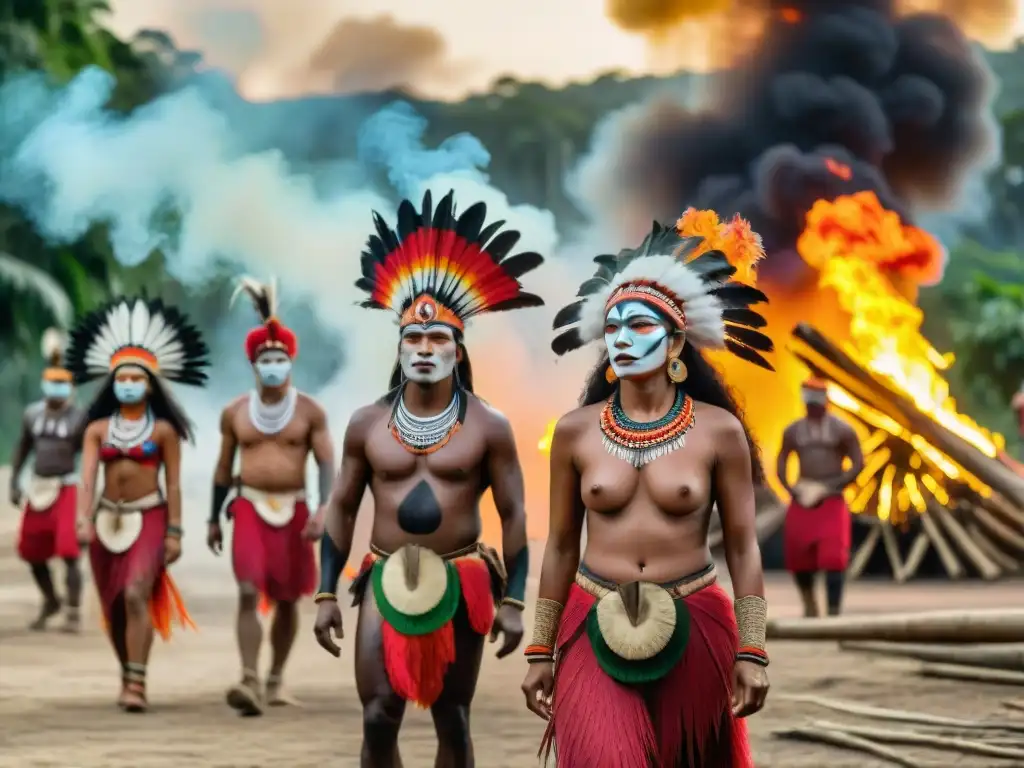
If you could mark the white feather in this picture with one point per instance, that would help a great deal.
(53, 343)
(121, 325)
(139, 323)
(156, 327)
(705, 327)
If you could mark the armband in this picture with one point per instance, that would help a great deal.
(517, 572)
(752, 622)
(546, 619)
(220, 495)
(332, 563)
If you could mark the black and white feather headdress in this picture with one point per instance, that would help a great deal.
(142, 332)
(698, 293)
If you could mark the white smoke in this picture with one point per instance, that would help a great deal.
(73, 164)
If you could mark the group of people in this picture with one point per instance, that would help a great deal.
(633, 631)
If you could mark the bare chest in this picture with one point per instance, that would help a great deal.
(458, 460)
(678, 483)
(294, 435)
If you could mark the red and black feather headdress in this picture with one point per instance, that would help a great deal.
(436, 268)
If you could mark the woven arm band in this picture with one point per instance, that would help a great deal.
(546, 617)
(752, 621)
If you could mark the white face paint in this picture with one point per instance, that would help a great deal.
(814, 397)
(428, 353)
(637, 339)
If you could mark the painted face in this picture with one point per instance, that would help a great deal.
(131, 385)
(637, 339)
(428, 353)
(56, 390)
(273, 367)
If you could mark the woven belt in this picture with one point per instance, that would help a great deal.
(596, 586)
(149, 501)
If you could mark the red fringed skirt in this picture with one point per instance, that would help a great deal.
(682, 720)
(142, 562)
(416, 664)
(278, 561)
(49, 533)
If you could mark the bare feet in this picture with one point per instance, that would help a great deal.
(72, 622)
(244, 697)
(50, 609)
(276, 696)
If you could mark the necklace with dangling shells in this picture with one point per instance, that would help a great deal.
(125, 433)
(640, 443)
(272, 418)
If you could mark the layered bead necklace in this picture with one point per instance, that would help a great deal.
(426, 434)
(271, 419)
(640, 443)
(124, 434)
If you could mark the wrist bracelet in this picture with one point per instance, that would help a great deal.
(174, 531)
(546, 619)
(752, 622)
(753, 655)
(519, 605)
(539, 653)
(323, 597)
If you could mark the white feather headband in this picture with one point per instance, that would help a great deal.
(695, 292)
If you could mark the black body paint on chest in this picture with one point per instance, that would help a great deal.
(419, 513)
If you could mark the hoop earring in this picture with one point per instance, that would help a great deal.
(609, 374)
(677, 372)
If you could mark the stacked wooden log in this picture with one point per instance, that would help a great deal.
(924, 486)
(973, 646)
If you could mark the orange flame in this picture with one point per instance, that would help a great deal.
(791, 15)
(842, 170)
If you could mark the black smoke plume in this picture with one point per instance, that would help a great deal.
(899, 106)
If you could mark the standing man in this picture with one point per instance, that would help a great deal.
(428, 450)
(273, 429)
(51, 429)
(817, 530)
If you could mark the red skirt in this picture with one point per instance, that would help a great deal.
(50, 533)
(683, 719)
(817, 539)
(279, 562)
(416, 665)
(142, 562)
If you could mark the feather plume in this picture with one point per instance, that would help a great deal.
(53, 344)
(262, 295)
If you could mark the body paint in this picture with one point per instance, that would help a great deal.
(428, 353)
(635, 329)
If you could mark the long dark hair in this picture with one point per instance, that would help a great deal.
(161, 402)
(702, 383)
(463, 375)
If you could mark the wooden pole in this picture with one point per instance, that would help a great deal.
(1009, 656)
(998, 529)
(930, 740)
(915, 556)
(949, 560)
(958, 535)
(981, 626)
(863, 554)
(1005, 561)
(972, 674)
(845, 741)
(900, 715)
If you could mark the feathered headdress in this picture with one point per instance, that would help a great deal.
(272, 334)
(691, 285)
(437, 268)
(53, 343)
(136, 331)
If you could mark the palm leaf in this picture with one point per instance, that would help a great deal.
(28, 279)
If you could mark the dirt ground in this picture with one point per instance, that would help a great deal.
(57, 692)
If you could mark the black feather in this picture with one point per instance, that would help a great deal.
(607, 260)
(744, 316)
(521, 263)
(471, 221)
(750, 337)
(567, 341)
(487, 233)
(502, 244)
(522, 301)
(568, 314)
(738, 295)
(408, 220)
(592, 286)
(748, 354)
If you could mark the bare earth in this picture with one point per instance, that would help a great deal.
(57, 692)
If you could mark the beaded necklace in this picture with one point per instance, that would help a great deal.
(426, 434)
(640, 443)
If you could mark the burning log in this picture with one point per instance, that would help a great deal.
(847, 373)
(969, 506)
(987, 626)
(1009, 657)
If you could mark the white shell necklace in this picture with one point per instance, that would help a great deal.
(125, 434)
(419, 433)
(273, 417)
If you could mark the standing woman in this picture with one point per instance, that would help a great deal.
(135, 427)
(636, 658)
